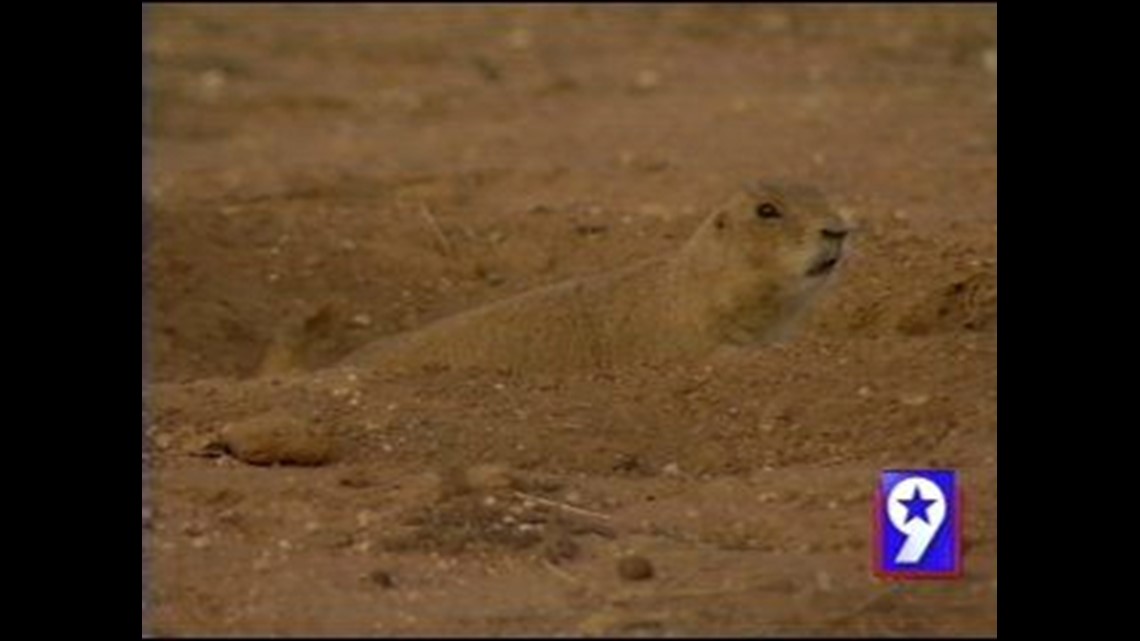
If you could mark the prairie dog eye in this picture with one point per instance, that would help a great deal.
(767, 210)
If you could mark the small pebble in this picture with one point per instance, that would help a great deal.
(647, 79)
(211, 83)
(915, 400)
(635, 568)
(381, 578)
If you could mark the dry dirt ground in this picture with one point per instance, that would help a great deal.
(337, 174)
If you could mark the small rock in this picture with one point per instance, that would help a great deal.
(635, 568)
(362, 320)
(915, 400)
(672, 469)
(382, 578)
(212, 83)
(647, 80)
(364, 518)
(865, 392)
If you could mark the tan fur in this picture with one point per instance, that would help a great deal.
(739, 279)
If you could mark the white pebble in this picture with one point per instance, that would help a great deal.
(915, 400)
(647, 79)
(211, 83)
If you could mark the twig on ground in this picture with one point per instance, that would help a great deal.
(562, 506)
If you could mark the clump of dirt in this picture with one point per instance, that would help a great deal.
(278, 438)
(635, 568)
(968, 303)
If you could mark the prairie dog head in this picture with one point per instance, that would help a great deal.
(763, 253)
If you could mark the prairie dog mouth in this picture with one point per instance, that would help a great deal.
(824, 264)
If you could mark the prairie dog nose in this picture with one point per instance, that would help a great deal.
(834, 232)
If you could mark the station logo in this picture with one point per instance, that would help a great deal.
(917, 525)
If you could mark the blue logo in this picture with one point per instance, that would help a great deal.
(918, 521)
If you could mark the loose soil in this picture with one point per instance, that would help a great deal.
(336, 174)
